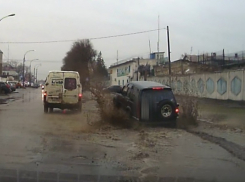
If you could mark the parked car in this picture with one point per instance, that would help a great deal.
(4, 88)
(18, 85)
(148, 101)
(12, 85)
(35, 85)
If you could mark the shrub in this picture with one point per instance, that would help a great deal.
(109, 113)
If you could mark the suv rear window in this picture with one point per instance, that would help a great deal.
(70, 83)
(159, 95)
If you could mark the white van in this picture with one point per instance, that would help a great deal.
(62, 90)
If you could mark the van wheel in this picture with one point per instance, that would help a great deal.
(80, 108)
(51, 109)
(45, 109)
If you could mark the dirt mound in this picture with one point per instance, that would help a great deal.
(109, 113)
(188, 111)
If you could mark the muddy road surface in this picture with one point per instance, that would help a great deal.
(70, 146)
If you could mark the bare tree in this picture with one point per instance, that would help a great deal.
(78, 58)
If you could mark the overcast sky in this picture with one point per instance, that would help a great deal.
(204, 25)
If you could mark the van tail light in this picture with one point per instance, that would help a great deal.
(177, 110)
(45, 94)
(80, 96)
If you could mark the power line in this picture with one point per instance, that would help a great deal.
(95, 38)
(51, 61)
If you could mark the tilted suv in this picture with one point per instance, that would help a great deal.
(148, 101)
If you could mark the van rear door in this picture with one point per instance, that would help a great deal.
(55, 88)
(71, 91)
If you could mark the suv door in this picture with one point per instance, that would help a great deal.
(127, 101)
(123, 97)
(133, 99)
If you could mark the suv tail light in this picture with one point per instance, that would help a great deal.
(157, 88)
(177, 110)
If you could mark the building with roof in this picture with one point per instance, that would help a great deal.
(125, 71)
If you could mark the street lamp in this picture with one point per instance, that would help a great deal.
(7, 16)
(24, 59)
(30, 69)
(1, 20)
(35, 71)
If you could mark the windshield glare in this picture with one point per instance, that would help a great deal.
(122, 90)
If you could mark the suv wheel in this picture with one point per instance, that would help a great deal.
(166, 110)
(173, 124)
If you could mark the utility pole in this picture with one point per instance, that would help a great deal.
(169, 62)
(34, 75)
(223, 56)
(8, 53)
(158, 40)
(23, 75)
(138, 69)
(150, 46)
(117, 56)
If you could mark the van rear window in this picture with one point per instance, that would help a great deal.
(57, 82)
(70, 83)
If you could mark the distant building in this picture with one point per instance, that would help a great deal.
(156, 55)
(125, 71)
(9, 70)
(182, 67)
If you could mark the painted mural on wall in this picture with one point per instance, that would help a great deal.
(123, 71)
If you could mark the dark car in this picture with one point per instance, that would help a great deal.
(12, 86)
(113, 89)
(35, 85)
(148, 101)
(4, 88)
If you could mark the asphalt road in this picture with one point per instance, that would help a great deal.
(63, 146)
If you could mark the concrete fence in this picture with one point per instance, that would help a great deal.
(224, 86)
